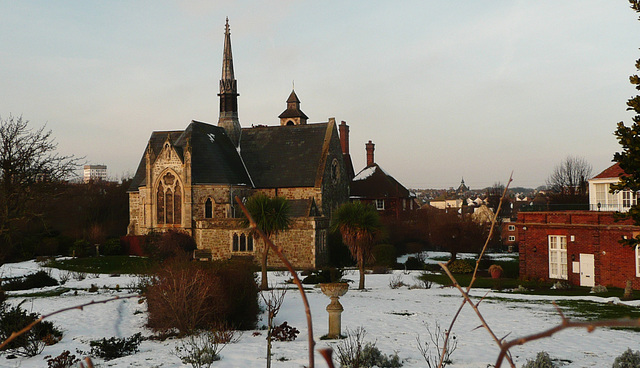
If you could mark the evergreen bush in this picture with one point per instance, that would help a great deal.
(31, 281)
(543, 360)
(413, 263)
(460, 266)
(628, 359)
(32, 342)
(114, 347)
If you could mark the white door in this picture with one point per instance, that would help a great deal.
(587, 272)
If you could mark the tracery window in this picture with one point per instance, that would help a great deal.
(169, 201)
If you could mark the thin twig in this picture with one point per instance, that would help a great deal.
(80, 307)
(296, 279)
(466, 296)
(475, 271)
(589, 325)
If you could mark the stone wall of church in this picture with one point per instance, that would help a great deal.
(135, 214)
(335, 182)
(301, 244)
(222, 200)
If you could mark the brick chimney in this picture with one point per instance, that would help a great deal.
(370, 147)
(344, 137)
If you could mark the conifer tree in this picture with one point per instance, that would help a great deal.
(629, 139)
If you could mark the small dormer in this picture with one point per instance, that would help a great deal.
(293, 115)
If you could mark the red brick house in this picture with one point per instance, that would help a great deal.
(582, 247)
(373, 185)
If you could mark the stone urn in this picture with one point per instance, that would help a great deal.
(334, 290)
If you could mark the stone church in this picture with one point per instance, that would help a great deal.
(187, 179)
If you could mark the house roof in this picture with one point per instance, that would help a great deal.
(284, 156)
(613, 171)
(373, 182)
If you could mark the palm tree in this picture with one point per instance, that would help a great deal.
(272, 215)
(360, 227)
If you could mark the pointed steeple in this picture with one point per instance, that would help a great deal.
(293, 115)
(229, 93)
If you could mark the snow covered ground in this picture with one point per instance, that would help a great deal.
(393, 318)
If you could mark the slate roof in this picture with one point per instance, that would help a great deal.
(283, 156)
(214, 158)
(303, 207)
(378, 185)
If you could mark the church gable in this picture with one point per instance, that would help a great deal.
(214, 159)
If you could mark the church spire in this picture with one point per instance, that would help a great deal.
(229, 93)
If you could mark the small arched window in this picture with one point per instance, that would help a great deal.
(208, 208)
(235, 243)
(290, 122)
(243, 243)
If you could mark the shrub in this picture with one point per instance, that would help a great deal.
(423, 281)
(385, 255)
(189, 296)
(542, 361)
(413, 263)
(32, 342)
(114, 347)
(169, 245)
(436, 341)
(628, 359)
(284, 332)
(81, 248)
(396, 281)
(64, 360)
(597, 289)
(202, 349)
(352, 352)
(111, 247)
(562, 285)
(460, 266)
(330, 274)
(31, 281)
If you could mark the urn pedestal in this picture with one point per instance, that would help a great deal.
(334, 291)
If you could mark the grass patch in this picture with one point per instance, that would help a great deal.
(106, 264)
(41, 294)
(534, 287)
(592, 311)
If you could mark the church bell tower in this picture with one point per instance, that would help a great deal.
(228, 118)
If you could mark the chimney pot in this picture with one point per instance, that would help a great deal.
(370, 148)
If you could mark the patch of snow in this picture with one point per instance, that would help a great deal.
(393, 318)
(365, 173)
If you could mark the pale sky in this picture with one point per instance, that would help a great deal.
(445, 89)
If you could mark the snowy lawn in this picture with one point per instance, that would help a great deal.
(393, 318)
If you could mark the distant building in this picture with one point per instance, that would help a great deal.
(373, 185)
(95, 173)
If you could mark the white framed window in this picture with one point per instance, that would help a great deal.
(629, 199)
(637, 260)
(512, 227)
(380, 204)
(558, 268)
(512, 238)
(601, 193)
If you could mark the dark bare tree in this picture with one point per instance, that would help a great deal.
(29, 169)
(569, 178)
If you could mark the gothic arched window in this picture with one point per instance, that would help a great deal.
(235, 243)
(208, 208)
(169, 201)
